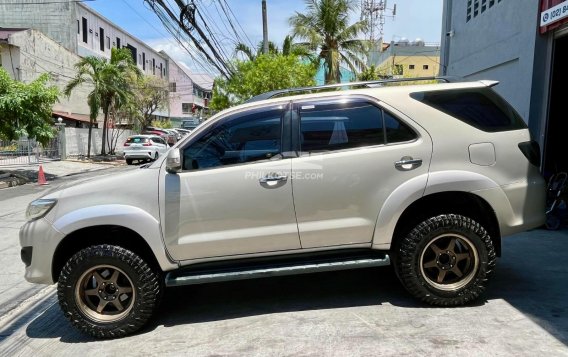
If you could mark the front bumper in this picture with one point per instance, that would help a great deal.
(39, 240)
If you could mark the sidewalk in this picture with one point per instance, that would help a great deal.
(28, 173)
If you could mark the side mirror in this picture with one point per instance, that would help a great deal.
(173, 161)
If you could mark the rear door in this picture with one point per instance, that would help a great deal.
(353, 153)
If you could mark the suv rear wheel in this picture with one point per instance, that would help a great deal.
(446, 260)
(108, 291)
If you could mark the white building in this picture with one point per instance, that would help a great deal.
(72, 30)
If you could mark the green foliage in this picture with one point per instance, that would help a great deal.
(369, 74)
(324, 27)
(266, 73)
(150, 93)
(164, 124)
(288, 48)
(25, 109)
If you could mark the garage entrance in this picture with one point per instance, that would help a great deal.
(556, 139)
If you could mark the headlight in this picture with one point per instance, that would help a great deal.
(39, 208)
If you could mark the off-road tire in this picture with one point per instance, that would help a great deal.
(145, 290)
(416, 274)
(128, 161)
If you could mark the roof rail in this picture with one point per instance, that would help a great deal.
(278, 92)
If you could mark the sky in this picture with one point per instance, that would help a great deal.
(414, 19)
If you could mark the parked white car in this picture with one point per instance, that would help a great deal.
(144, 147)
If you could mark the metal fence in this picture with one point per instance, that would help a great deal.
(28, 152)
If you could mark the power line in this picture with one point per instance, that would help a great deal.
(44, 2)
(161, 33)
(237, 20)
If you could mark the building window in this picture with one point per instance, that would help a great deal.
(477, 7)
(102, 39)
(153, 66)
(85, 30)
(133, 52)
(144, 61)
(78, 27)
(425, 67)
(172, 87)
(411, 66)
(186, 108)
(108, 42)
(117, 42)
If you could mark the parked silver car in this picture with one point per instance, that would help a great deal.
(144, 148)
(426, 177)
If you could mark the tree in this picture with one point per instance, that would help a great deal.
(266, 73)
(110, 80)
(288, 48)
(150, 94)
(325, 28)
(25, 109)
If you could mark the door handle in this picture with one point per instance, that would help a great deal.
(273, 178)
(408, 163)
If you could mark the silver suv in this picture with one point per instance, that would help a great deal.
(426, 177)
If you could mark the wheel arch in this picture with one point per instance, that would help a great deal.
(438, 193)
(456, 202)
(127, 226)
(97, 235)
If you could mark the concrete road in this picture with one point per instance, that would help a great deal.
(352, 313)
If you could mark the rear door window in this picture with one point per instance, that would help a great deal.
(481, 108)
(342, 123)
(339, 124)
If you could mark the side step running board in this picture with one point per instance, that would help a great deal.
(190, 278)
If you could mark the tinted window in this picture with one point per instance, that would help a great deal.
(396, 130)
(334, 126)
(479, 107)
(244, 138)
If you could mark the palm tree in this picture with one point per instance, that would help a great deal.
(110, 80)
(325, 28)
(288, 48)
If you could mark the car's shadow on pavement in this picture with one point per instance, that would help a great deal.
(532, 277)
(219, 301)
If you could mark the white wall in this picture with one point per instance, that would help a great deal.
(77, 139)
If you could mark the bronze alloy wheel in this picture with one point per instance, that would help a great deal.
(446, 260)
(449, 262)
(105, 293)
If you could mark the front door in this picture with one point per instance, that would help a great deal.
(353, 154)
(234, 195)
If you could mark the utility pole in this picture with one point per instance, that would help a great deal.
(264, 28)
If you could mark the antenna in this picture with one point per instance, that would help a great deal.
(375, 13)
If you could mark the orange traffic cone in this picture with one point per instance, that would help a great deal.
(41, 177)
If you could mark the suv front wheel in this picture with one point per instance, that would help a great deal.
(446, 260)
(108, 291)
